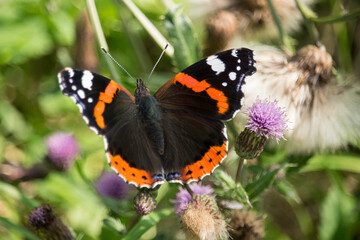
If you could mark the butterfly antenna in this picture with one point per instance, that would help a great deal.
(157, 62)
(107, 53)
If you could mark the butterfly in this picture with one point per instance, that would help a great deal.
(177, 134)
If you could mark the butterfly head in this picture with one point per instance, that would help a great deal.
(141, 90)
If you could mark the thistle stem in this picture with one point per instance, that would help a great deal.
(307, 15)
(344, 17)
(100, 36)
(149, 27)
(284, 38)
(239, 169)
(189, 189)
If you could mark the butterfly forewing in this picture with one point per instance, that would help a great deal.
(110, 111)
(212, 86)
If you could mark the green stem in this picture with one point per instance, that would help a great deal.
(341, 18)
(239, 169)
(308, 15)
(100, 36)
(189, 189)
(149, 27)
(284, 38)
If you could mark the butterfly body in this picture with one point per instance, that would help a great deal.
(150, 115)
(177, 134)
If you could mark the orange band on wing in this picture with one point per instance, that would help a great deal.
(206, 165)
(130, 174)
(105, 97)
(200, 86)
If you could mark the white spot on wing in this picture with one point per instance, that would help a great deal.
(238, 68)
(232, 76)
(224, 84)
(73, 87)
(86, 80)
(71, 72)
(216, 64)
(234, 53)
(239, 61)
(90, 100)
(81, 93)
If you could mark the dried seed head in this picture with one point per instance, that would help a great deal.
(203, 220)
(314, 64)
(221, 28)
(245, 225)
(183, 197)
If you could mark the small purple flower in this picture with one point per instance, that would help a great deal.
(110, 185)
(266, 119)
(41, 217)
(62, 150)
(144, 203)
(46, 225)
(183, 197)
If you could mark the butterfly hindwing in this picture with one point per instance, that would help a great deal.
(195, 146)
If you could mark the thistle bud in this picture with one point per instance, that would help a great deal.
(144, 203)
(47, 226)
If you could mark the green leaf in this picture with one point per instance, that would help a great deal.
(13, 122)
(24, 40)
(146, 222)
(114, 225)
(64, 27)
(288, 190)
(255, 188)
(10, 193)
(230, 189)
(186, 48)
(337, 215)
(16, 228)
(349, 162)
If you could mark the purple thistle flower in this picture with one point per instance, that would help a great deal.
(266, 119)
(183, 197)
(110, 185)
(62, 150)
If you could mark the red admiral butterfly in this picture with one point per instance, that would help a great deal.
(176, 134)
